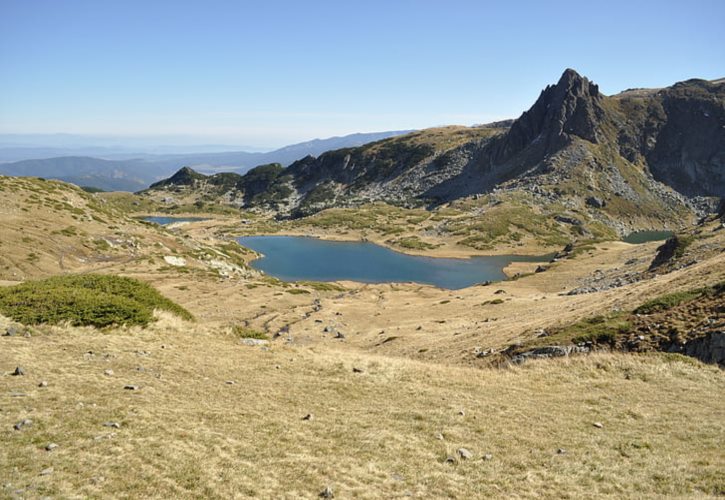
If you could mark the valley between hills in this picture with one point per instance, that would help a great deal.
(597, 373)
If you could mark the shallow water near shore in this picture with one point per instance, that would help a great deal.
(295, 258)
(639, 237)
(165, 221)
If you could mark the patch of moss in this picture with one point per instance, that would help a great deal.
(322, 286)
(597, 329)
(413, 243)
(671, 300)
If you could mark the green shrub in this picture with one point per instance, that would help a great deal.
(248, 333)
(85, 300)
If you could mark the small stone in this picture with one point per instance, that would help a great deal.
(464, 453)
(97, 479)
(340, 335)
(12, 331)
(309, 416)
(462, 413)
(230, 382)
(254, 342)
(327, 493)
(131, 387)
(357, 370)
(18, 371)
(51, 447)
(114, 425)
(439, 436)
(595, 202)
(450, 459)
(46, 472)
(561, 451)
(327, 329)
(108, 373)
(43, 383)
(488, 457)
(26, 422)
(598, 425)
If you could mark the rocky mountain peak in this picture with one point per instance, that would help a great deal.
(185, 176)
(571, 107)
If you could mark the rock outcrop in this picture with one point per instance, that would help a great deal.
(572, 107)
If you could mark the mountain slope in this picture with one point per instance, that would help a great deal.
(626, 161)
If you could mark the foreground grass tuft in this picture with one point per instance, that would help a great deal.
(85, 300)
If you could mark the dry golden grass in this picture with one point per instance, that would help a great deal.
(188, 433)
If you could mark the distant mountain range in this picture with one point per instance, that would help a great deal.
(112, 170)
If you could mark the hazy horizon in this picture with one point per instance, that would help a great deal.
(264, 76)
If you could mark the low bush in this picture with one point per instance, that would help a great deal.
(85, 300)
(244, 332)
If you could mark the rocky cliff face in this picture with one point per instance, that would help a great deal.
(689, 148)
(572, 107)
(642, 151)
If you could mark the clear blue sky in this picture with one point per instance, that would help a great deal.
(268, 73)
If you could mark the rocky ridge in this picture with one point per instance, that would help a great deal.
(648, 154)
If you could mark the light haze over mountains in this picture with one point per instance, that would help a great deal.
(98, 162)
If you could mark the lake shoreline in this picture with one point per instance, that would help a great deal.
(304, 258)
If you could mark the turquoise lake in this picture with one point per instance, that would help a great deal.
(646, 236)
(165, 221)
(294, 258)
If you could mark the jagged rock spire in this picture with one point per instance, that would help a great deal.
(572, 107)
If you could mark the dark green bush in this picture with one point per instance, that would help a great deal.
(85, 300)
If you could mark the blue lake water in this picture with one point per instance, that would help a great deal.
(294, 258)
(646, 236)
(165, 221)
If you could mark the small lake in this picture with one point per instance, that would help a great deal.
(646, 236)
(295, 258)
(165, 221)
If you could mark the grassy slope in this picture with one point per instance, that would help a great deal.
(187, 432)
(50, 227)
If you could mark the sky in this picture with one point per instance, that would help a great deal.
(270, 73)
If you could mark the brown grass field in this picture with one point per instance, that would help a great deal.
(187, 432)
(391, 402)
